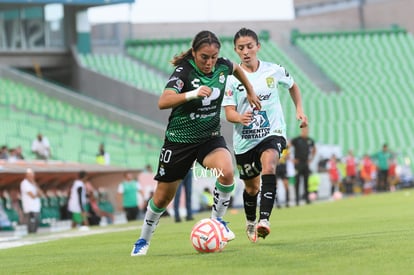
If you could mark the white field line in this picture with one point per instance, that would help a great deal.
(12, 241)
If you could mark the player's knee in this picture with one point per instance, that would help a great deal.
(252, 190)
(226, 177)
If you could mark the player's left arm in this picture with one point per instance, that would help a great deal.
(297, 100)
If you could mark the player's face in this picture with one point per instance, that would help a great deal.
(206, 57)
(246, 47)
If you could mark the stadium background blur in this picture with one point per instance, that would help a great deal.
(82, 84)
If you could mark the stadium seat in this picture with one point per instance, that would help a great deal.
(68, 127)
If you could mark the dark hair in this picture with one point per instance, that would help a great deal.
(245, 32)
(82, 174)
(203, 37)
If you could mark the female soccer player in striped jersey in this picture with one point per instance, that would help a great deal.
(194, 92)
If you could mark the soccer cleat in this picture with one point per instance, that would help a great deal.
(263, 228)
(140, 248)
(251, 231)
(228, 233)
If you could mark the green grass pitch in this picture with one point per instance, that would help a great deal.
(361, 235)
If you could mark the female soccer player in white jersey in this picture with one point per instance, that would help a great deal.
(195, 93)
(259, 135)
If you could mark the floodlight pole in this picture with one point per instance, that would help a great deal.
(130, 22)
(361, 14)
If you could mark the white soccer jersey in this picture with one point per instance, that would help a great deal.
(270, 119)
(73, 203)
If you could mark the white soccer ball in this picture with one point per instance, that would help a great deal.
(208, 236)
(337, 195)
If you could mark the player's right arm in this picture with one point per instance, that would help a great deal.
(177, 92)
(170, 98)
(233, 116)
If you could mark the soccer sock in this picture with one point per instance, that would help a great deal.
(222, 195)
(250, 204)
(287, 196)
(267, 196)
(151, 219)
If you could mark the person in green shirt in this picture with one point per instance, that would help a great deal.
(128, 190)
(382, 160)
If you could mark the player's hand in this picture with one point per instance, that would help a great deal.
(246, 118)
(204, 91)
(254, 101)
(303, 120)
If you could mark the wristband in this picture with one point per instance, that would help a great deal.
(190, 95)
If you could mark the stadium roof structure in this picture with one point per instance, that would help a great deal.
(80, 3)
(67, 2)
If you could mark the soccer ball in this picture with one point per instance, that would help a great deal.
(312, 196)
(337, 195)
(207, 236)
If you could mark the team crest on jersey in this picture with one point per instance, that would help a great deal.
(161, 171)
(222, 78)
(229, 92)
(270, 82)
(179, 84)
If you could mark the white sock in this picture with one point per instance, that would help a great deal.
(222, 195)
(151, 219)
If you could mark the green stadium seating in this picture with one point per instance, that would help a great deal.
(74, 134)
(374, 71)
(125, 69)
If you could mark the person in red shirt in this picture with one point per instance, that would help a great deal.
(333, 172)
(367, 172)
(393, 178)
(351, 172)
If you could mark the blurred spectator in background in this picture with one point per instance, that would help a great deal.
(95, 213)
(393, 178)
(350, 172)
(313, 186)
(187, 183)
(41, 147)
(4, 153)
(304, 152)
(382, 159)
(15, 154)
(147, 182)
(281, 173)
(63, 198)
(12, 155)
(78, 201)
(206, 200)
(334, 174)
(128, 191)
(367, 173)
(4, 219)
(30, 195)
(19, 152)
(103, 157)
